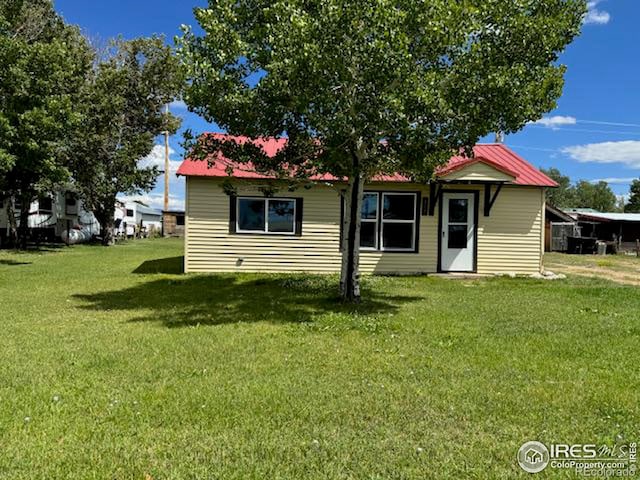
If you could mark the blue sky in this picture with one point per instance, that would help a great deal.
(593, 134)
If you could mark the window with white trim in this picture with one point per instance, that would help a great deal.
(398, 230)
(266, 215)
(389, 221)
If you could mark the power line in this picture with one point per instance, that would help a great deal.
(584, 130)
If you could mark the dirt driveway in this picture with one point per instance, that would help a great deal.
(618, 268)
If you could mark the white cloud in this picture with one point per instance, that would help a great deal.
(156, 159)
(156, 200)
(596, 16)
(556, 121)
(615, 180)
(626, 152)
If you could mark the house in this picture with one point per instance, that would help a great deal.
(173, 223)
(483, 214)
(137, 219)
(52, 217)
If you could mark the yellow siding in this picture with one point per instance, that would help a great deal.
(510, 240)
(209, 247)
(479, 172)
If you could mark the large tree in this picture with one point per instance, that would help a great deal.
(565, 195)
(598, 196)
(633, 205)
(363, 87)
(44, 62)
(122, 114)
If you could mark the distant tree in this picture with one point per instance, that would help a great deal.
(565, 195)
(598, 196)
(44, 63)
(633, 205)
(367, 87)
(122, 112)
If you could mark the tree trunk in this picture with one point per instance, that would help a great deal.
(105, 218)
(13, 226)
(350, 272)
(106, 232)
(23, 227)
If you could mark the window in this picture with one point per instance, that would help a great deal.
(129, 212)
(71, 204)
(458, 223)
(398, 230)
(45, 205)
(268, 215)
(389, 222)
(180, 220)
(369, 225)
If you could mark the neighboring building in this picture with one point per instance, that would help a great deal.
(136, 219)
(173, 223)
(51, 217)
(621, 229)
(484, 215)
(559, 226)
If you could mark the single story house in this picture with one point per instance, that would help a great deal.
(483, 214)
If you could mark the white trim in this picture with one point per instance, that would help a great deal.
(266, 201)
(412, 222)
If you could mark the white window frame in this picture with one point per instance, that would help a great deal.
(371, 220)
(266, 201)
(413, 222)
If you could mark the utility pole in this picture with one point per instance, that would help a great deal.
(166, 167)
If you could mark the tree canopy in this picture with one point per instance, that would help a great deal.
(368, 87)
(633, 205)
(565, 195)
(44, 65)
(122, 112)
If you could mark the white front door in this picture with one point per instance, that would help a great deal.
(457, 251)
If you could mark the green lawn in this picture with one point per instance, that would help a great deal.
(115, 366)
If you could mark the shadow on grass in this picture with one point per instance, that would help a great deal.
(224, 299)
(13, 263)
(172, 265)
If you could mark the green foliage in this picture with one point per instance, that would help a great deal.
(564, 196)
(44, 62)
(583, 194)
(598, 196)
(633, 205)
(376, 86)
(122, 112)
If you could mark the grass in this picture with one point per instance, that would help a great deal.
(622, 263)
(113, 365)
(618, 268)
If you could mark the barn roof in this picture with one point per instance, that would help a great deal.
(495, 155)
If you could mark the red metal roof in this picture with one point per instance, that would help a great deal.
(497, 155)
